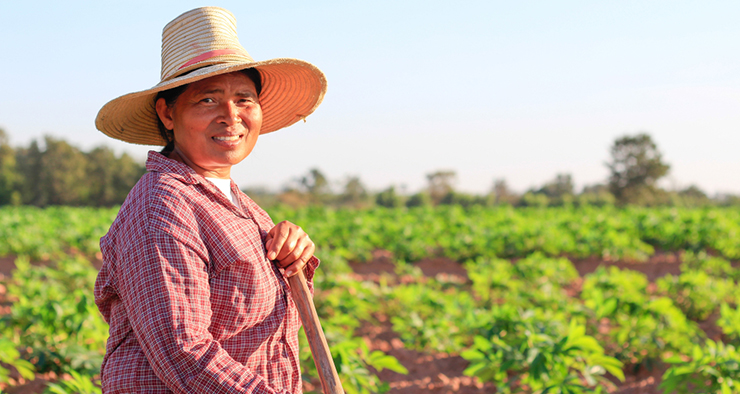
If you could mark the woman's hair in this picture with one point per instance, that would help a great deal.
(170, 98)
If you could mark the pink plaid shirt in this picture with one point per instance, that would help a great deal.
(194, 305)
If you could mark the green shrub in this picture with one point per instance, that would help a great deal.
(10, 356)
(712, 368)
(697, 293)
(430, 318)
(714, 266)
(729, 322)
(634, 327)
(609, 291)
(534, 281)
(54, 315)
(78, 384)
(533, 357)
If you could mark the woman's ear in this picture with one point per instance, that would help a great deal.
(165, 114)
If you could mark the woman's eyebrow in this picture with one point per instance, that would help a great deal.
(211, 91)
(247, 94)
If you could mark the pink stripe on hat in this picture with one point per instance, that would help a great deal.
(210, 54)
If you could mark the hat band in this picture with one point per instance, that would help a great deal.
(210, 54)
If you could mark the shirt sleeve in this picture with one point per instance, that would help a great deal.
(166, 293)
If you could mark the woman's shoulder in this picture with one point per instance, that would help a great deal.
(157, 197)
(155, 188)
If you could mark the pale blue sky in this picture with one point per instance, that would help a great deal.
(520, 90)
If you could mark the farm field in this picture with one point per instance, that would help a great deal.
(588, 299)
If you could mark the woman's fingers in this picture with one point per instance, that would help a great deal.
(289, 246)
(276, 239)
(301, 260)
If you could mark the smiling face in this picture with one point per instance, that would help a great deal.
(216, 122)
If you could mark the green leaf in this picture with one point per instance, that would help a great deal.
(696, 353)
(474, 369)
(472, 355)
(380, 361)
(481, 342)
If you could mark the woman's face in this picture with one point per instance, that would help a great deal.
(216, 122)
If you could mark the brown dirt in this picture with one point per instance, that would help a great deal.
(36, 386)
(7, 265)
(428, 373)
(658, 265)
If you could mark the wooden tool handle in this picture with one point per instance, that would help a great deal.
(316, 340)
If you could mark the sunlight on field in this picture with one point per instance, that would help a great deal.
(524, 299)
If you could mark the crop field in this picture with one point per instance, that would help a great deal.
(435, 300)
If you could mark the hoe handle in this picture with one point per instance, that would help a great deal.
(330, 383)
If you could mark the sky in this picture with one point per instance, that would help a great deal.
(520, 90)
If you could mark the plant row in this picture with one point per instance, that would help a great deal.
(414, 234)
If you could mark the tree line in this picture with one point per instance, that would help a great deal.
(635, 167)
(53, 172)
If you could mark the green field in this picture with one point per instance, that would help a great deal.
(522, 316)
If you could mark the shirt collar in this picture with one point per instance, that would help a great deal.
(157, 162)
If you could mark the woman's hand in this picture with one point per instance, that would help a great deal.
(290, 246)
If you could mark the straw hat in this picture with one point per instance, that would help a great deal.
(202, 43)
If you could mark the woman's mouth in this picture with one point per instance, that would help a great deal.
(228, 138)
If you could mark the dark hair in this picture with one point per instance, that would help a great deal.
(170, 98)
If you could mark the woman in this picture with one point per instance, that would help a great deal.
(193, 282)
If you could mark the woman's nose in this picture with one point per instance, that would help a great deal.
(231, 113)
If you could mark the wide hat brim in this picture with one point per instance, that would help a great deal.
(291, 90)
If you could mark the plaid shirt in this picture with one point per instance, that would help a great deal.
(194, 305)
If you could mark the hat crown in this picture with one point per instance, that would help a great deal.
(198, 38)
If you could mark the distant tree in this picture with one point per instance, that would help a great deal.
(559, 191)
(110, 178)
(691, 196)
(389, 198)
(29, 164)
(596, 195)
(440, 184)
(293, 198)
(693, 191)
(502, 194)
(420, 199)
(63, 174)
(129, 173)
(561, 185)
(9, 177)
(100, 171)
(463, 199)
(316, 186)
(636, 165)
(262, 196)
(530, 199)
(354, 194)
(728, 200)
